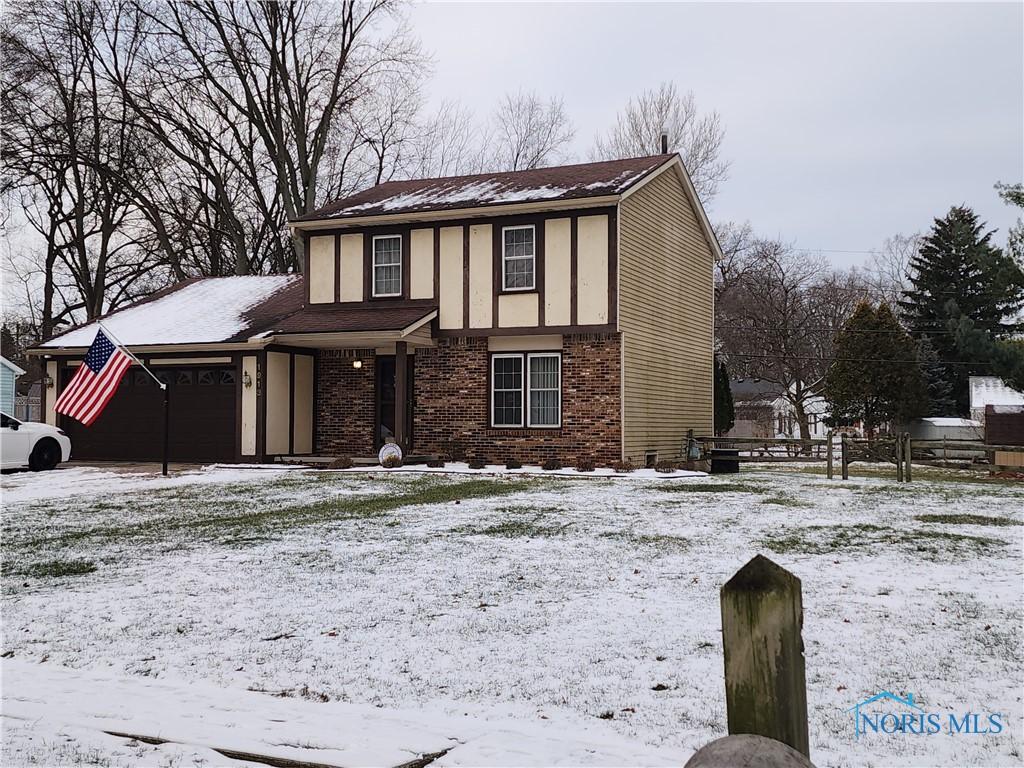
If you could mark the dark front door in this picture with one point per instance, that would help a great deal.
(130, 428)
(386, 400)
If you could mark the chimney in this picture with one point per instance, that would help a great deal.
(664, 143)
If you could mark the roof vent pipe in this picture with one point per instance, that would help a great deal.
(664, 143)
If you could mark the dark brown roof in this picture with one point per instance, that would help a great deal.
(346, 319)
(563, 182)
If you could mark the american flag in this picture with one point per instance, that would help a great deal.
(95, 382)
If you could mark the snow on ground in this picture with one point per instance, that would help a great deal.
(543, 602)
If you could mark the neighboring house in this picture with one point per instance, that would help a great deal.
(9, 374)
(560, 312)
(990, 390)
(762, 410)
(27, 406)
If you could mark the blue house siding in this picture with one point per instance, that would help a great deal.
(8, 373)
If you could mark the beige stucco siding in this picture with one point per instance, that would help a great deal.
(450, 305)
(321, 270)
(557, 267)
(249, 406)
(592, 270)
(481, 271)
(302, 427)
(421, 264)
(278, 398)
(51, 395)
(518, 310)
(666, 309)
(351, 268)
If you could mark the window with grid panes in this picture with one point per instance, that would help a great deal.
(518, 258)
(387, 265)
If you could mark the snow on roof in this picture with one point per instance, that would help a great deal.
(565, 182)
(8, 364)
(209, 310)
(950, 421)
(990, 390)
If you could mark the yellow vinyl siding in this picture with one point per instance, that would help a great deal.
(666, 311)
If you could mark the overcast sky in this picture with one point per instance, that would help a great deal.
(845, 123)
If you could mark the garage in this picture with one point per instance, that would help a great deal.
(202, 417)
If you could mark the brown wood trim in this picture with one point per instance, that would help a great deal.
(526, 330)
(573, 267)
(465, 276)
(367, 267)
(456, 221)
(401, 394)
(613, 268)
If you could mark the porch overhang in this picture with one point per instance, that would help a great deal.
(353, 329)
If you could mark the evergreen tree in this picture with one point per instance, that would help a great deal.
(876, 376)
(958, 273)
(937, 380)
(725, 412)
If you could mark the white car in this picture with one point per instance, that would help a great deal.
(31, 444)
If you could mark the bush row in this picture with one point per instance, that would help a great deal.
(477, 462)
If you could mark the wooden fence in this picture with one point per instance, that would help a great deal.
(899, 450)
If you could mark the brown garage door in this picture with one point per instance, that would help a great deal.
(131, 426)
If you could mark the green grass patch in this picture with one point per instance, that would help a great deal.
(59, 568)
(967, 520)
(786, 501)
(660, 541)
(716, 488)
(513, 529)
(251, 518)
(825, 539)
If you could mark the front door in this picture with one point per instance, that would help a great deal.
(386, 401)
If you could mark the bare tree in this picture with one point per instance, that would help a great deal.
(528, 132)
(888, 269)
(68, 137)
(776, 320)
(696, 137)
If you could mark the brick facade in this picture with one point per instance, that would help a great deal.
(345, 403)
(453, 400)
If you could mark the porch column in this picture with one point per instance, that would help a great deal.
(401, 379)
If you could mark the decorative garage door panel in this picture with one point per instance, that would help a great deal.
(203, 414)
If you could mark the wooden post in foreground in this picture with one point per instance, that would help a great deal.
(908, 455)
(765, 686)
(828, 457)
(844, 456)
(897, 445)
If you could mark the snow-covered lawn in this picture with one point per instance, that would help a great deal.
(555, 611)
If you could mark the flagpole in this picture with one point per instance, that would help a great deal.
(161, 384)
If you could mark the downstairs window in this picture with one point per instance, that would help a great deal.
(526, 389)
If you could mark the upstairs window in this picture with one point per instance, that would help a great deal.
(518, 258)
(387, 265)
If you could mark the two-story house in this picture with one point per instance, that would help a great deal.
(559, 312)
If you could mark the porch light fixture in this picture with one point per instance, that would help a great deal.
(48, 381)
(246, 380)
(357, 364)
